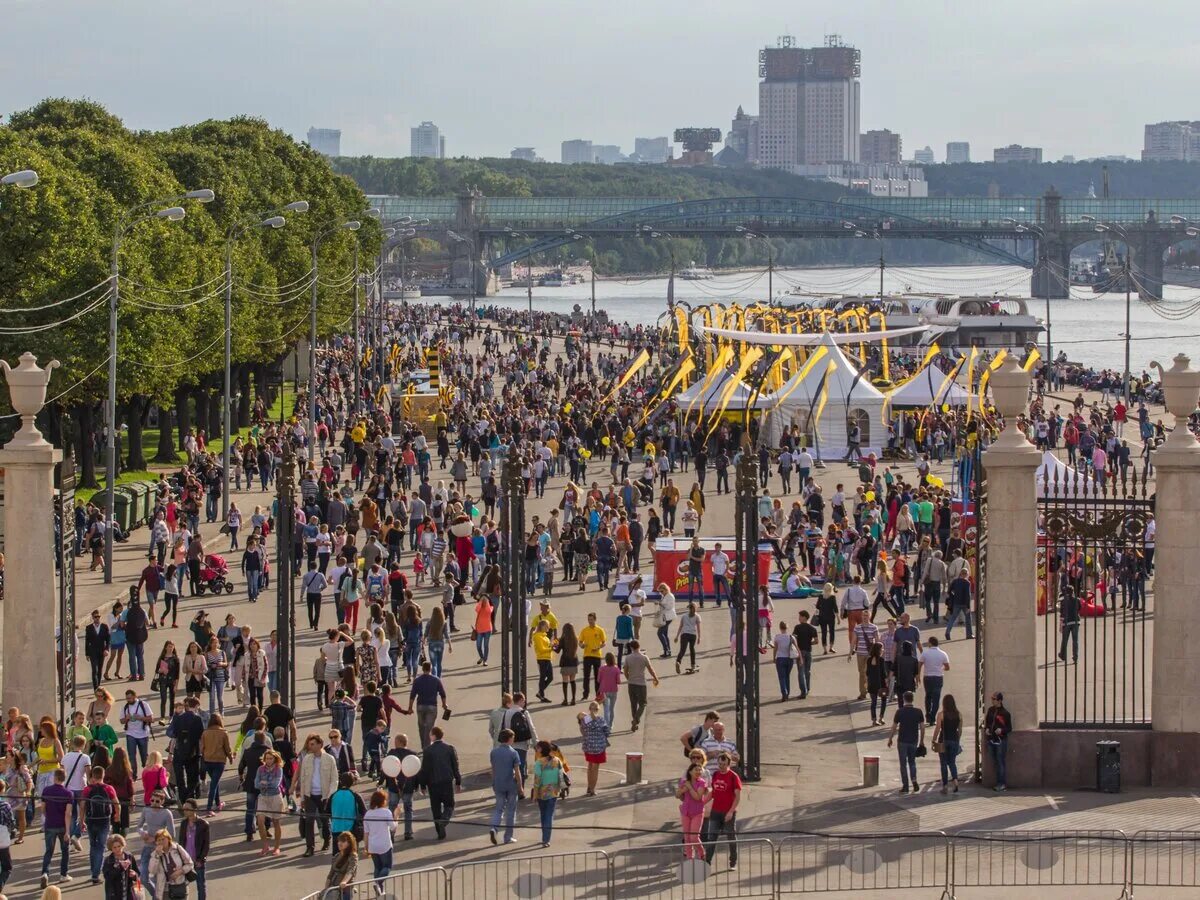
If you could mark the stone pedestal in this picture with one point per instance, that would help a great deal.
(30, 588)
(1010, 644)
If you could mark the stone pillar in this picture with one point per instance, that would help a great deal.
(1175, 667)
(1010, 618)
(30, 589)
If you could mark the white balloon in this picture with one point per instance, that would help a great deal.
(410, 765)
(391, 766)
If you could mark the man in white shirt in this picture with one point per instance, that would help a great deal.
(77, 764)
(719, 560)
(934, 664)
(136, 718)
(637, 605)
(804, 463)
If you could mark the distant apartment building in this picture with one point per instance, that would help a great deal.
(878, 180)
(427, 141)
(651, 150)
(808, 104)
(577, 151)
(924, 156)
(607, 154)
(1017, 153)
(1172, 141)
(326, 141)
(526, 153)
(742, 137)
(958, 152)
(881, 146)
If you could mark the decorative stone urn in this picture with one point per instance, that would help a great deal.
(1181, 388)
(1010, 394)
(27, 390)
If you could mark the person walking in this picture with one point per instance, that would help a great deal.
(194, 838)
(169, 867)
(827, 614)
(268, 781)
(787, 651)
(95, 646)
(1068, 623)
(155, 820)
(343, 869)
(187, 731)
(958, 600)
(947, 740)
(692, 790)
(595, 729)
(379, 829)
(592, 639)
(507, 785)
(441, 778)
(215, 754)
(878, 679)
(102, 812)
(722, 800)
(637, 667)
(547, 784)
(908, 725)
(136, 718)
(313, 788)
(426, 692)
(934, 664)
(543, 649)
(120, 871)
(862, 638)
(806, 636)
(609, 680)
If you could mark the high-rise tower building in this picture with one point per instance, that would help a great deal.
(326, 141)
(808, 104)
(427, 140)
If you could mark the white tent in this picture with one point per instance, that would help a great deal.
(919, 392)
(738, 400)
(1055, 478)
(851, 398)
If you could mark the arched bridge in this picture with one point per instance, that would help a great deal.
(1037, 232)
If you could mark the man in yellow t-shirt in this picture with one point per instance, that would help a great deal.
(544, 615)
(591, 641)
(542, 651)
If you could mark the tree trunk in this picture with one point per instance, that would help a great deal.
(83, 444)
(241, 413)
(183, 415)
(166, 437)
(216, 411)
(136, 412)
(200, 395)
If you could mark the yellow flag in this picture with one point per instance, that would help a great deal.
(681, 317)
(640, 360)
(749, 358)
(971, 379)
(986, 376)
(829, 369)
(797, 379)
(1032, 359)
(718, 366)
(685, 369)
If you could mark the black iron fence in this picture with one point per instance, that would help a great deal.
(923, 864)
(1095, 557)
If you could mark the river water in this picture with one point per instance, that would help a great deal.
(1088, 327)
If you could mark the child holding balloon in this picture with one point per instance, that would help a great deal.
(400, 768)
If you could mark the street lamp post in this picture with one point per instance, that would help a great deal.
(649, 232)
(750, 234)
(1042, 266)
(26, 178)
(271, 220)
(1113, 228)
(131, 217)
(459, 239)
(352, 225)
(877, 233)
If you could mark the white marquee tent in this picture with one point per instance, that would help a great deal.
(711, 398)
(851, 398)
(919, 392)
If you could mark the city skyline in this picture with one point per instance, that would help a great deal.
(349, 70)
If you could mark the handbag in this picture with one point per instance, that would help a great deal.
(921, 751)
(177, 891)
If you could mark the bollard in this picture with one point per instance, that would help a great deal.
(870, 771)
(633, 768)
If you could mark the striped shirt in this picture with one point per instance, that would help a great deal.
(713, 748)
(865, 634)
(888, 639)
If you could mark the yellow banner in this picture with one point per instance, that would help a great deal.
(718, 366)
(638, 361)
(816, 356)
(685, 369)
(971, 379)
(986, 376)
(753, 355)
(829, 369)
(1032, 359)
(681, 317)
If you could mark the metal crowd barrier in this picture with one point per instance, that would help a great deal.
(923, 864)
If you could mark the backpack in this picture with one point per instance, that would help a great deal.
(519, 724)
(694, 738)
(98, 806)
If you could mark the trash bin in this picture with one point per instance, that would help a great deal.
(124, 502)
(141, 492)
(870, 771)
(1108, 767)
(633, 768)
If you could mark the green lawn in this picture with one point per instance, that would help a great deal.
(86, 494)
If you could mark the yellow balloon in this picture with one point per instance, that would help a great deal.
(930, 479)
(605, 440)
(566, 407)
(586, 454)
(870, 495)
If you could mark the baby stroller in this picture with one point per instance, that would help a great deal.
(214, 575)
(566, 778)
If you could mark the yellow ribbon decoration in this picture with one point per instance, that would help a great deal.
(682, 319)
(1032, 359)
(685, 369)
(638, 361)
(748, 359)
(816, 356)
(824, 394)
(718, 366)
(986, 376)
(971, 380)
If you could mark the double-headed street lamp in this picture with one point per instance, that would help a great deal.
(652, 233)
(1115, 229)
(322, 233)
(26, 178)
(750, 234)
(508, 232)
(271, 220)
(862, 231)
(1026, 228)
(131, 217)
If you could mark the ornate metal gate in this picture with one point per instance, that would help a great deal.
(976, 545)
(65, 514)
(1094, 561)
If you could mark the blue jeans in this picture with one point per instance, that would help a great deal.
(804, 672)
(251, 813)
(436, 648)
(720, 586)
(506, 805)
(201, 887)
(135, 746)
(412, 651)
(482, 638)
(383, 864)
(546, 811)
(53, 836)
(97, 845)
(216, 697)
(999, 754)
(948, 760)
(957, 612)
(272, 681)
(610, 707)
(137, 659)
(76, 815)
(213, 772)
(253, 577)
(933, 695)
(908, 763)
(783, 668)
(395, 800)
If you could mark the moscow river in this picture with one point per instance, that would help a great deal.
(1088, 327)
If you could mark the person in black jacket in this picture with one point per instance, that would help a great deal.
(440, 776)
(120, 870)
(137, 632)
(193, 823)
(186, 728)
(247, 770)
(95, 646)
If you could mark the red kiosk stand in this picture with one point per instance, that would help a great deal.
(671, 562)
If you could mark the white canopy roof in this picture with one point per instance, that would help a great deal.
(740, 398)
(1055, 477)
(846, 386)
(919, 391)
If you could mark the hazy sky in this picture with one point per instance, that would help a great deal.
(1072, 76)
